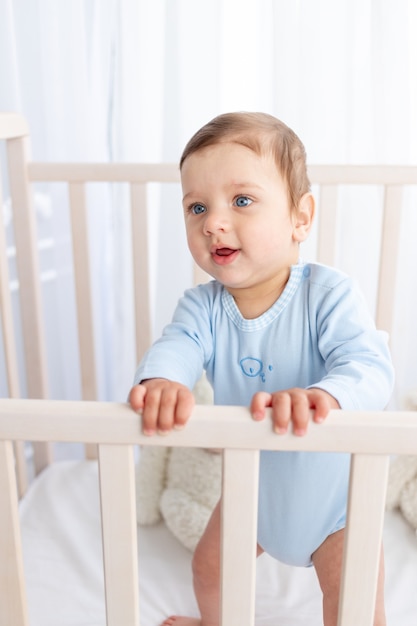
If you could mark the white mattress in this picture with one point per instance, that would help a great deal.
(62, 553)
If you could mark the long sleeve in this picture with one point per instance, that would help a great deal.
(359, 371)
(186, 343)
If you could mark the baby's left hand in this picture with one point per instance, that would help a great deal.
(293, 405)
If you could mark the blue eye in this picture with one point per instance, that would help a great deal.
(243, 201)
(198, 209)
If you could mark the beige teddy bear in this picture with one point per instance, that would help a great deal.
(402, 487)
(179, 485)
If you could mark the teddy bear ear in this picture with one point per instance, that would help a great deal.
(403, 468)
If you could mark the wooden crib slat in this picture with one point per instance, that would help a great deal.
(326, 244)
(238, 545)
(363, 539)
(9, 347)
(28, 268)
(118, 502)
(21, 467)
(13, 610)
(9, 344)
(24, 224)
(140, 253)
(80, 245)
(83, 289)
(390, 244)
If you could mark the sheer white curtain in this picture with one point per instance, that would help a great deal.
(129, 80)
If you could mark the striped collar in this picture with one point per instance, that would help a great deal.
(272, 313)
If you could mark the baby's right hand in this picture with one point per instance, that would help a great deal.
(164, 405)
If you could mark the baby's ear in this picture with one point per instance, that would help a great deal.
(303, 217)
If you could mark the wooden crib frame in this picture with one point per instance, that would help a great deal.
(371, 437)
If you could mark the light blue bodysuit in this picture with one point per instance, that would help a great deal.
(319, 333)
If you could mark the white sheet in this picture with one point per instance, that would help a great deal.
(62, 553)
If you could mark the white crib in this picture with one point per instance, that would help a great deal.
(371, 437)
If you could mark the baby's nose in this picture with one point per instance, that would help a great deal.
(215, 221)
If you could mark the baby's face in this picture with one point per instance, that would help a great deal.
(239, 225)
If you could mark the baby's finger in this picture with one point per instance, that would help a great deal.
(281, 411)
(300, 412)
(150, 411)
(322, 406)
(167, 408)
(259, 402)
(184, 408)
(175, 408)
(137, 397)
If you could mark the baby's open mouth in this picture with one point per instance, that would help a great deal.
(224, 255)
(224, 251)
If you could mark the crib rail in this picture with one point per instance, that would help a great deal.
(370, 436)
(357, 432)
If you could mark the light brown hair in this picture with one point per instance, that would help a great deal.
(265, 135)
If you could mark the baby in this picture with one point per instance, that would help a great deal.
(270, 331)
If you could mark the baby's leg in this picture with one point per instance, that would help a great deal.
(206, 571)
(206, 576)
(328, 564)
